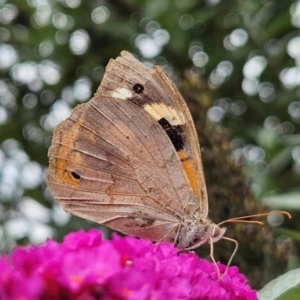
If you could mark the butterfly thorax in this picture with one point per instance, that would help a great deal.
(195, 233)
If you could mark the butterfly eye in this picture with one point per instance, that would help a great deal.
(75, 175)
(138, 88)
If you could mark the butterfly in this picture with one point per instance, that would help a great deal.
(130, 159)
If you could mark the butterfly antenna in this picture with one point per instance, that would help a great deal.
(241, 220)
(244, 218)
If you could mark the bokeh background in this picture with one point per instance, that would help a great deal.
(237, 64)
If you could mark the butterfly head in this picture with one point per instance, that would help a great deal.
(195, 234)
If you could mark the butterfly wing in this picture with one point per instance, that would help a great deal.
(154, 91)
(112, 163)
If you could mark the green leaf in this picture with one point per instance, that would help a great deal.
(285, 287)
(289, 201)
(294, 234)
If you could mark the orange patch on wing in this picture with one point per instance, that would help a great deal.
(190, 170)
(59, 167)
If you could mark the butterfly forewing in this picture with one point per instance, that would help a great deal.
(152, 90)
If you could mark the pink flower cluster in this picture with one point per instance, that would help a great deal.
(86, 267)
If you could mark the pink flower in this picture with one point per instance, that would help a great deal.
(86, 267)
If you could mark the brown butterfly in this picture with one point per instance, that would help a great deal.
(130, 159)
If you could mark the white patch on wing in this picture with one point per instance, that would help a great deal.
(121, 93)
(159, 110)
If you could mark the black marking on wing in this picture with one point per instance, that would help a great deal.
(137, 100)
(138, 88)
(75, 175)
(175, 133)
(140, 222)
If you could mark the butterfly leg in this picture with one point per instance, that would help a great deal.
(211, 255)
(177, 234)
(168, 236)
(233, 253)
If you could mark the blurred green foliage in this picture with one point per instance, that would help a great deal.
(53, 55)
